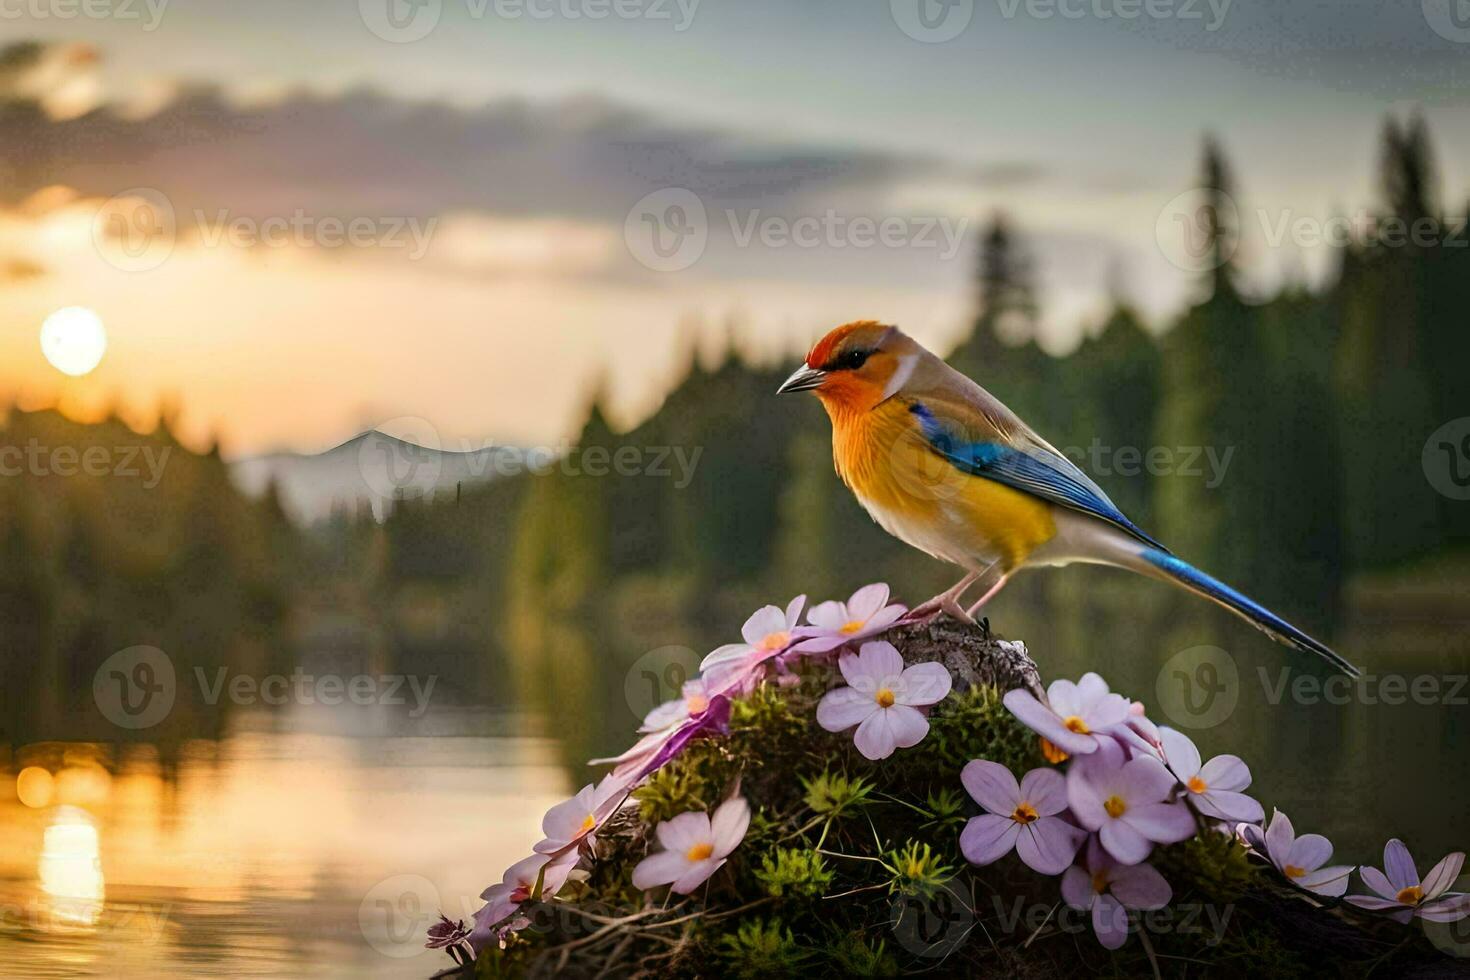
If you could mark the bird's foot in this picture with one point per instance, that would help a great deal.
(957, 611)
(924, 612)
(947, 601)
(927, 612)
(999, 584)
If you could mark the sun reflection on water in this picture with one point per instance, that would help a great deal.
(70, 869)
(254, 855)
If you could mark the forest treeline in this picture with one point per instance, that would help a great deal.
(1286, 433)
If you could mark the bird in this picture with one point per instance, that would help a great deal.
(941, 464)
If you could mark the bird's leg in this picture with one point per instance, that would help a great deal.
(999, 584)
(947, 601)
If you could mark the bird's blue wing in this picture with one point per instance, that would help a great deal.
(1035, 470)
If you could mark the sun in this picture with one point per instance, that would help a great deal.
(73, 340)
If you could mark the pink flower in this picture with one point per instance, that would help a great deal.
(1125, 802)
(1403, 896)
(572, 821)
(658, 747)
(1300, 859)
(715, 719)
(631, 762)
(1077, 715)
(1213, 788)
(1137, 734)
(693, 699)
(1110, 889)
(768, 632)
(516, 887)
(883, 699)
(695, 847)
(866, 613)
(1023, 817)
(447, 935)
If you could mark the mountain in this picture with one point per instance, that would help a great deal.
(372, 468)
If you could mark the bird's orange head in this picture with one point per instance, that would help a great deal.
(855, 366)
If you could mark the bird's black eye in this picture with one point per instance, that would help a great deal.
(850, 360)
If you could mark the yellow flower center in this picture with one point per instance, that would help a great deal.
(699, 852)
(1075, 724)
(774, 641)
(1100, 882)
(1025, 813)
(1292, 871)
(696, 703)
(1115, 806)
(884, 697)
(1412, 895)
(588, 824)
(1197, 785)
(1052, 754)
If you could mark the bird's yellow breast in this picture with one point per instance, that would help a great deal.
(920, 497)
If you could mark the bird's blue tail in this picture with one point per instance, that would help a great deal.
(1185, 574)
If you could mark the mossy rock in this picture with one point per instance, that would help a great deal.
(853, 867)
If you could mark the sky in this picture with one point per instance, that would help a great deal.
(301, 220)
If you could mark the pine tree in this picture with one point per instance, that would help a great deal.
(1220, 397)
(1006, 307)
(1001, 353)
(1219, 216)
(1383, 378)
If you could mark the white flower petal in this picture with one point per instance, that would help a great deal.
(923, 684)
(659, 869)
(728, 825)
(843, 708)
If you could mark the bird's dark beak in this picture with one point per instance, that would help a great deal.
(802, 379)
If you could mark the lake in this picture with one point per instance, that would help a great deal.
(317, 840)
(285, 849)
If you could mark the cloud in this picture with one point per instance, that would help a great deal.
(364, 153)
(480, 244)
(62, 78)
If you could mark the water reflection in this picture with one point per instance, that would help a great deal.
(274, 852)
(70, 869)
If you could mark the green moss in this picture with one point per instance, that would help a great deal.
(790, 871)
(760, 949)
(1214, 866)
(974, 724)
(835, 794)
(768, 708)
(856, 956)
(676, 789)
